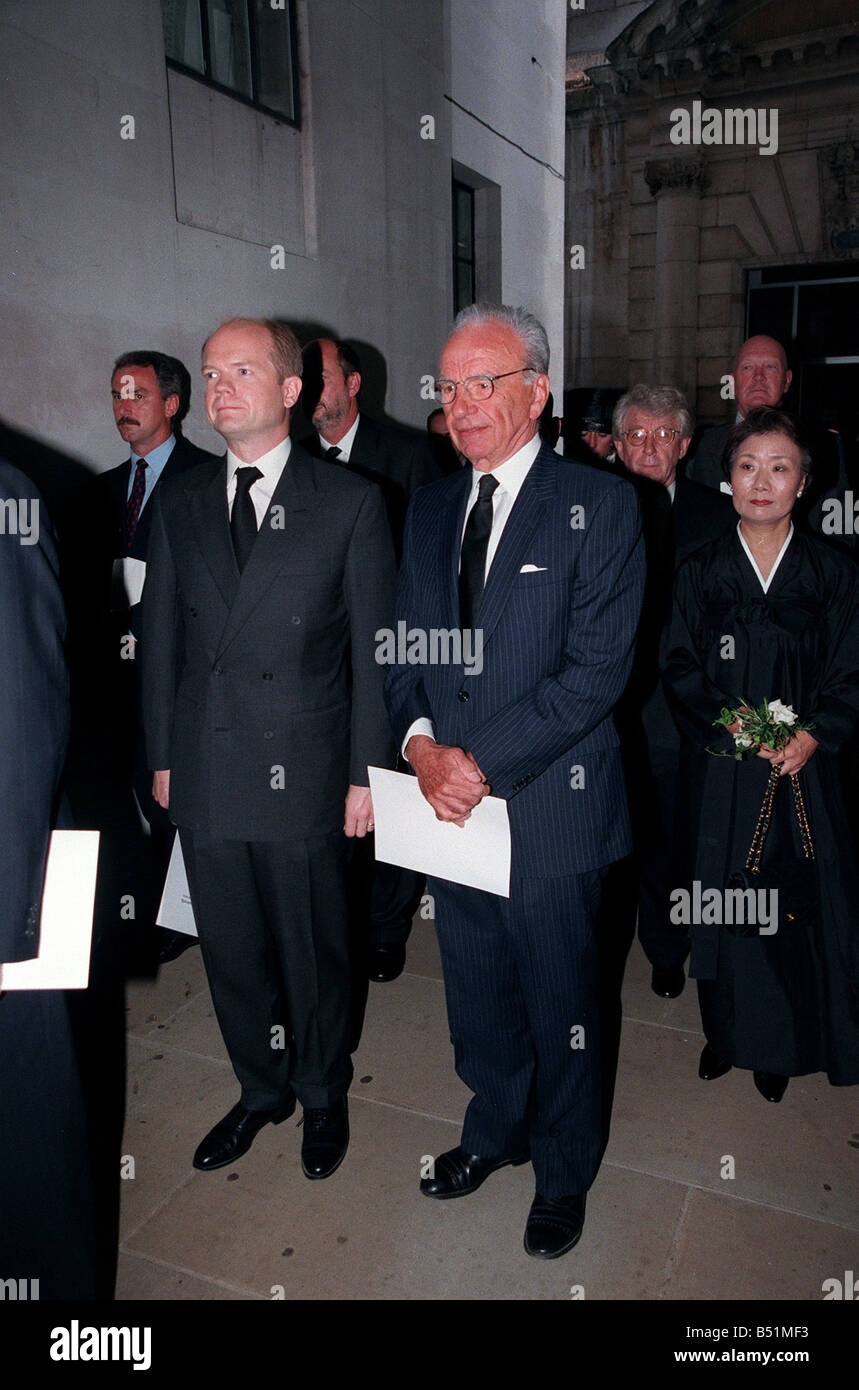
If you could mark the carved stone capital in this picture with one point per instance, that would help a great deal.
(839, 189)
(675, 175)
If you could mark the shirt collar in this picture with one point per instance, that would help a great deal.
(271, 465)
(345, 444)
(512, 473)
(156, 458)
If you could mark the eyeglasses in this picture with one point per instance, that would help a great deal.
(477, 388)
(661, 435)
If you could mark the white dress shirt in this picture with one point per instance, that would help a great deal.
(510, 475)
(271, 465)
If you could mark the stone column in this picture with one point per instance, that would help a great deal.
(676, 184)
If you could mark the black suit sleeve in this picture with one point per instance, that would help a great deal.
(34, 702)
(368, 583)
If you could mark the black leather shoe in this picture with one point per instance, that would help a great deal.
(668, 982)
(234, 1134)
(386, 961)
(711, 1067)
(326, 1139)
(771, 1085)
(173, 944)
(554, 1225)
(458, 1173)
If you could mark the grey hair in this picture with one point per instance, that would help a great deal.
(529, 328)
(656, 400)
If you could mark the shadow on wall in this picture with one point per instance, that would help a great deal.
(374, 377)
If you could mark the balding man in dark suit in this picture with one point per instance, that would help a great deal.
(267, 580)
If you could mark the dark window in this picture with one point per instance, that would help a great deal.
(464, 287)
(245, 47)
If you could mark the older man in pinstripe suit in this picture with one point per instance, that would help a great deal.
(543, 555)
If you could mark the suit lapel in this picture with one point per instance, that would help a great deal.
(211, 525)
(529, 510)
(284, 525)
(450, 541)
(365, 444)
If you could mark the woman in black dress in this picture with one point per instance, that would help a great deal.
(768, 613)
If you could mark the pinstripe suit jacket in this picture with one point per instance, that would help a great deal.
(557, 650)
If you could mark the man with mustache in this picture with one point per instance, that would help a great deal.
(150, 393)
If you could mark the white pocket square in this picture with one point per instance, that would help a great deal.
(533, 569)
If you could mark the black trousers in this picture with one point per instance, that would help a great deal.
(661, 858)
(383, 898)
(520, 979)
(274, 932)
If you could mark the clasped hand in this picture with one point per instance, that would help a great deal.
(793, 756)
(789, 759)
(449, 778)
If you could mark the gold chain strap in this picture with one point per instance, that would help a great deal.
(756, 849)
(802, 818)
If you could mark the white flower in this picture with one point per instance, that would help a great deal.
(742, 741)
(781, 714)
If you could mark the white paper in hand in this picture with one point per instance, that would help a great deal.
(408, 833)
(129, 576)
(176, 911)
(65, 930)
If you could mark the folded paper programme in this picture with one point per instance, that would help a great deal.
(408, 833)
(65, 929)
(176, 911)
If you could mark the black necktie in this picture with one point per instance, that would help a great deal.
(334, 452)
(243, 522)
(472, 562)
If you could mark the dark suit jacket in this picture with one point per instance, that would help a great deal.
(672, 531)
(273, 668)
(703, 466)
(34, 699)
(112, 489)
(557, 647)
(395, 459)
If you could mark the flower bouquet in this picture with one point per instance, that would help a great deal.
(771, 724)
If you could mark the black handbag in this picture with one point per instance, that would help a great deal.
(793, 877)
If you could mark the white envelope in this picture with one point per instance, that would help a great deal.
(65, 932)
(176, 911)
(408, 833)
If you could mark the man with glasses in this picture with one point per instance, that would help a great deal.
(652, 427)
(544, 557)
